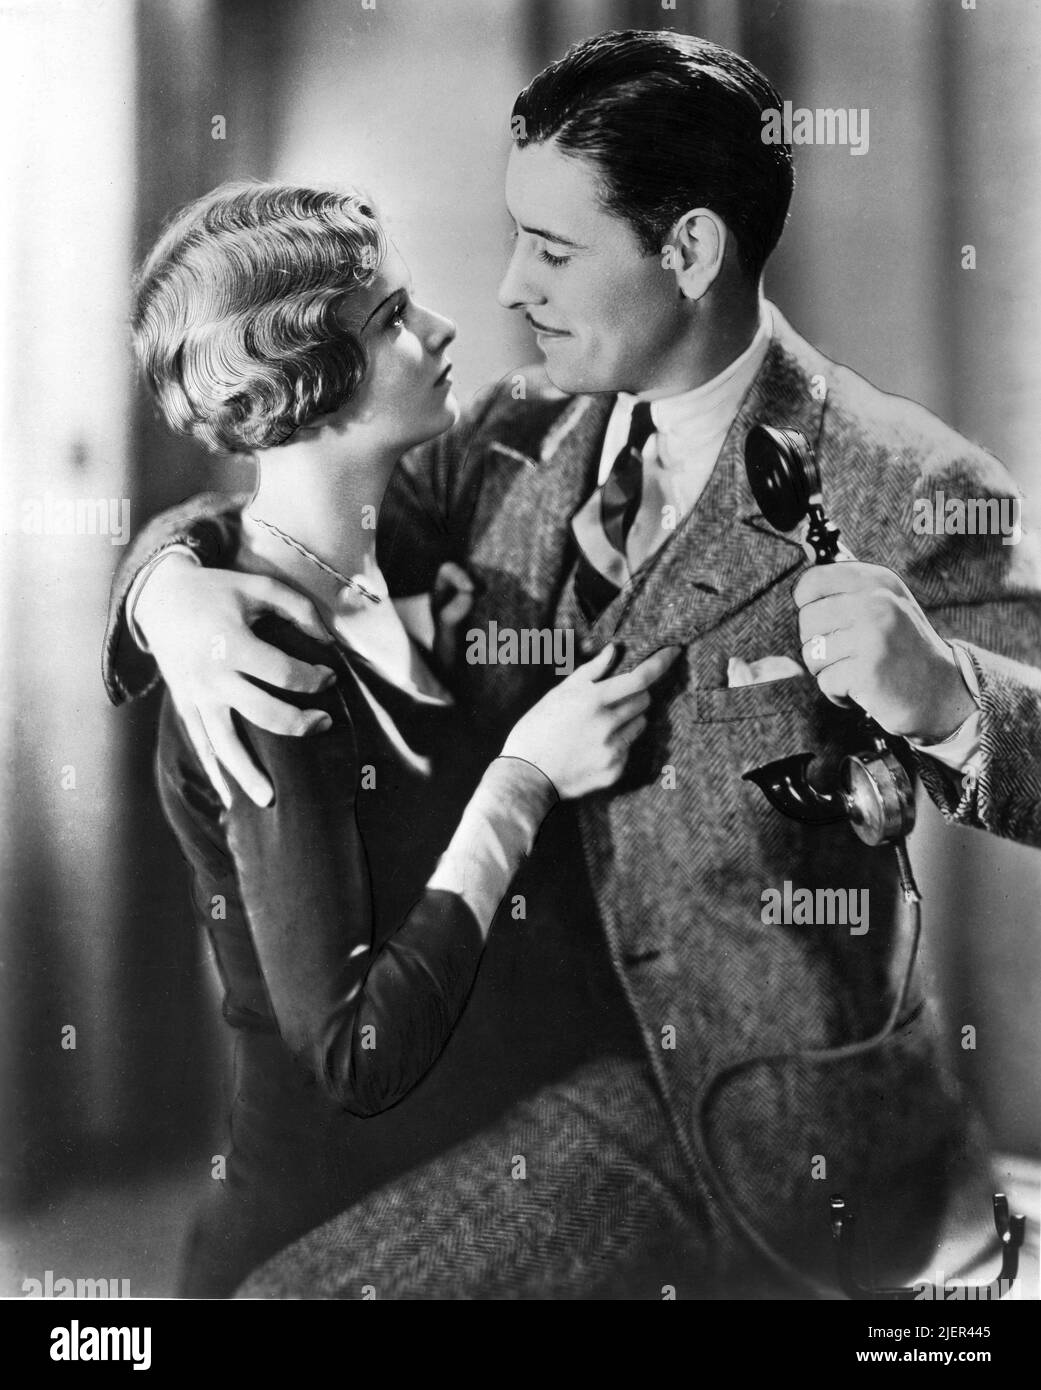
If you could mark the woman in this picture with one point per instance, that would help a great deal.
(347, 919)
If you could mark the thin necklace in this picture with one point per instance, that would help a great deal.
(303, 550)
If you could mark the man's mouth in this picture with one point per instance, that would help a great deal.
(544, 330)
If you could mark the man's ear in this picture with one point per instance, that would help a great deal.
(695, 251)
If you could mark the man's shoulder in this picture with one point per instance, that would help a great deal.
(907, 433)
(892, 471)
(879, 430)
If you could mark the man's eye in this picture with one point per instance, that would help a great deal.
(547, 259)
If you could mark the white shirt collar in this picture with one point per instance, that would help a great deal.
(695, 417)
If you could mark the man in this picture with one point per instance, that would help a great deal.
(607, 497)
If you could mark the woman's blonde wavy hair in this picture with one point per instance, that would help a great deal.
(235, 311)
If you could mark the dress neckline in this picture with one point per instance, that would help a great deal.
(256, 561)
(354, 657)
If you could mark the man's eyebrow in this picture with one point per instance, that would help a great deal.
(552, 236)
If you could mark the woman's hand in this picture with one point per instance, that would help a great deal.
(196, 623)
(580, 734)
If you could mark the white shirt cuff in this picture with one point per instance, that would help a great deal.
(962, 750)
(497, 829)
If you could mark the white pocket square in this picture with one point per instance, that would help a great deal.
(767, 668)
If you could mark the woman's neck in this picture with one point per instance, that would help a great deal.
(327, 502)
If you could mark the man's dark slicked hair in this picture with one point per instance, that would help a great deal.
(670, 122)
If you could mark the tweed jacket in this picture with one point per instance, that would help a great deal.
(682, 853)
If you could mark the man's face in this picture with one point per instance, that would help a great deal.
(608, 316)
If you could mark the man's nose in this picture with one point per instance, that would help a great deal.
(515, 289)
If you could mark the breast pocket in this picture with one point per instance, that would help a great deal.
(744, 702)
(744, 727)
(730, 732)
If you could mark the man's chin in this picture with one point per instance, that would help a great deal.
(571, 379)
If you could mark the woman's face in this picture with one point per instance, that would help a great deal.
(406, 395)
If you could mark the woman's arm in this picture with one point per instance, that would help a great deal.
(368, 1023)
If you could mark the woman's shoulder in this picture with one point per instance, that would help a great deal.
(177, 762)
(280, 632)
(337, 698)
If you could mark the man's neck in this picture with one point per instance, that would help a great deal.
(718, 338)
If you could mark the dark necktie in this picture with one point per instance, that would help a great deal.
(620, 499)
(619, 504)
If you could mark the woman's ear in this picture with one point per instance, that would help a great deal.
(695, 251)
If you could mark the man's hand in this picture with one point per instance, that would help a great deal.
(196, 624)
(867, 640)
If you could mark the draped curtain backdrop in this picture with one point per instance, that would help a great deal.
(110, 110)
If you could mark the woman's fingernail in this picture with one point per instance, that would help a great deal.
(322, 724)
(328, 677)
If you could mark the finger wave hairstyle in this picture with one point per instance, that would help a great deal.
(235, 311)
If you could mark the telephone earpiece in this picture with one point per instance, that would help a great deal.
(786, 484)
(875, 795)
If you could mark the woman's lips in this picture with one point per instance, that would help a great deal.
(445, 378)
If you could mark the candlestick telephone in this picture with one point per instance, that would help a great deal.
(875, 795)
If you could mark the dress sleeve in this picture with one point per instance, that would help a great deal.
(369, 1023)
(209, 526)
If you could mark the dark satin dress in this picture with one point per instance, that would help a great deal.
(345, 978)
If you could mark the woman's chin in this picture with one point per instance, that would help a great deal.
(433, 425)
(449, 413)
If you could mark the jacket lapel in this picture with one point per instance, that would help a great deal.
(724, 554)
(520, 546)
(523, 531)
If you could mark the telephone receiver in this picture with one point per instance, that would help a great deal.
(875, 794)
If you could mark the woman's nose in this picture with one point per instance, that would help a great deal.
(442, 331)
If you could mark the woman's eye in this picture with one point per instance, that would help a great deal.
(399, 315)
(547, 259)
